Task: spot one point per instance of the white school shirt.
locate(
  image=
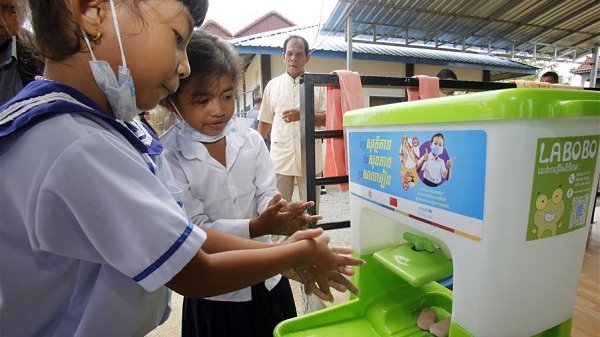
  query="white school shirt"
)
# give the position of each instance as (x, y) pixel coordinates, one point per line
(88, 235)
(224, 198)
(434, 169)
(280, 94)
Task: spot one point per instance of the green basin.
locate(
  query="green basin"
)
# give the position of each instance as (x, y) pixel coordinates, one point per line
(387, 307)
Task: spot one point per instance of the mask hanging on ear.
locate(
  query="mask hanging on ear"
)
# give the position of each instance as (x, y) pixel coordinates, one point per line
(120, 92)
(195, 135)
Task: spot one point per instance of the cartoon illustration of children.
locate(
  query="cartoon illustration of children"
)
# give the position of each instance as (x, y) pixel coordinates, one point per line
(409, 154)
(434, 168)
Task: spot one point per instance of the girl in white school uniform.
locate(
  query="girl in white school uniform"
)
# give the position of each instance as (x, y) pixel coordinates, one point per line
(225, 171)
(90, 235)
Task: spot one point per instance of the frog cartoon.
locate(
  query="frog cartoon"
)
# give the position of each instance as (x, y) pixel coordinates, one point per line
(548, 214)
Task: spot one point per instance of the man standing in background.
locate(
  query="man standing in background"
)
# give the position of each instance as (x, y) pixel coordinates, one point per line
(18, 66)
(253, 113)
(446, 74)
(280, 114)
(549, 77)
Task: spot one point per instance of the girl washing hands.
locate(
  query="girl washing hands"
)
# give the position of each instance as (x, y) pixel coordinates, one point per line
(91, 232)
(224, 168)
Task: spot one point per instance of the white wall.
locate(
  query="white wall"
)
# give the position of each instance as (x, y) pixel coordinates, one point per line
(252, 75)
(364, 67)
(327, 65)
(465, 74)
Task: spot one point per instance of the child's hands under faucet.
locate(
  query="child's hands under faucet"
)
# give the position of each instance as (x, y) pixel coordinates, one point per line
(282, 218)
(318, 279)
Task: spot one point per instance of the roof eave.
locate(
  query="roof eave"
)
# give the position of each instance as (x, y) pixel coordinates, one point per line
(526, 70)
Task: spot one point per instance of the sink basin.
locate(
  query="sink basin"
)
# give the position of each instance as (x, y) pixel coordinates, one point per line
(388, 307)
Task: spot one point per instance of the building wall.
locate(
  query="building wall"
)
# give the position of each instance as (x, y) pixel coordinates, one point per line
(248, 84)
(327, 65)
(462, 73)
(585, 81)
(364, 67)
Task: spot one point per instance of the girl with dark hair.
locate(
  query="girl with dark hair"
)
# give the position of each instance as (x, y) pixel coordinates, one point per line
(225, 171)
(91, 228)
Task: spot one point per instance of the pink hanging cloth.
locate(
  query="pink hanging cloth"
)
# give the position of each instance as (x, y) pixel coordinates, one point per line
(429, 87)
(348, 96)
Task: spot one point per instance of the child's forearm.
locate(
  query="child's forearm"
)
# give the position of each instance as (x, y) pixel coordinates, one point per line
(218, 241)
(212, 274)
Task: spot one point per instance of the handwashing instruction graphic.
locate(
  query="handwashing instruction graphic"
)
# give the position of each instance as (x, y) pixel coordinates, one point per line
(432, 176)
(409, 154)
(562, 185)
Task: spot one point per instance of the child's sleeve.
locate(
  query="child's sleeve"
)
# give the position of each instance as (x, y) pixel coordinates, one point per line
(194, 207)
(264, 174)
(100, 203)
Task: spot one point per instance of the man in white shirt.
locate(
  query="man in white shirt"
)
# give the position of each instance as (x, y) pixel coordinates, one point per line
(280, 114)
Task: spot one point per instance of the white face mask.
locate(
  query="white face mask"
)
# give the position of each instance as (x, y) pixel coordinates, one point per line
(120, 92)
(195, 135)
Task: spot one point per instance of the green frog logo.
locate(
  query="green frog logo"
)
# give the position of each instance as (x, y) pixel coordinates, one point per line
(548, 214)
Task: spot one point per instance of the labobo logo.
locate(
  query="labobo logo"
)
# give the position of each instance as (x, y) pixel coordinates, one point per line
(567, 151)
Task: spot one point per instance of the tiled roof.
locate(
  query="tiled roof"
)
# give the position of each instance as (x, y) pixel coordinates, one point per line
(215, 28)
(586, 67)
(270, 21)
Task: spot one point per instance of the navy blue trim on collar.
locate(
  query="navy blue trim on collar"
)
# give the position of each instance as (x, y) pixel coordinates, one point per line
(57, 107)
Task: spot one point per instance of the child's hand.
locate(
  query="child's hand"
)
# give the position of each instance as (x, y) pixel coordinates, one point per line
(337, 281)
(282, 219)
(336, 278)
(449, 164)
(300, 219)
(426, 156)
(327, 269)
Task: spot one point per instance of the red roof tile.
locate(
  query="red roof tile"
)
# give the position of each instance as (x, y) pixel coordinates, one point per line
(586, 67)
(215, 28)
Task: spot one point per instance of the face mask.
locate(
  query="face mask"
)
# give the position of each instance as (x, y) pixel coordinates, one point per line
(120, 92)
(191, 133)
(436, 149)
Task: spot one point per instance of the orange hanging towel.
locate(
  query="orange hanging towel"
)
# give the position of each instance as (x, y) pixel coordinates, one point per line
(429, 87)
(348, 96)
